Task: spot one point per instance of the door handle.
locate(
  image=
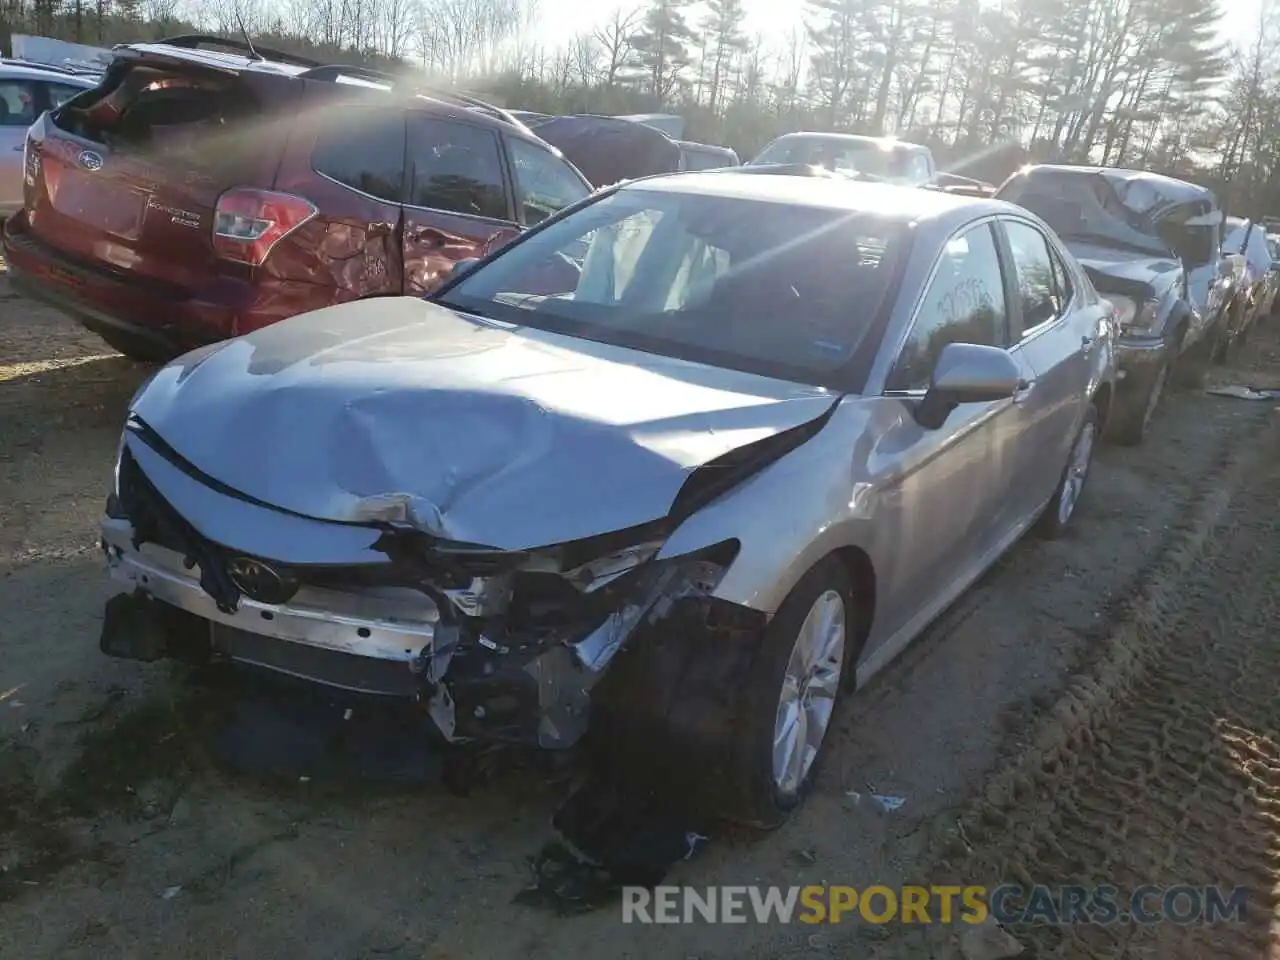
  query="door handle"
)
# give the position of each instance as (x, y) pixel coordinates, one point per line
(1087, 342)
(1024, 390)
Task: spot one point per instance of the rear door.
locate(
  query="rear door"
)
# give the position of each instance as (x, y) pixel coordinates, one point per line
(358, 153)
(459, 202)
(1054, 338)
(128, 181)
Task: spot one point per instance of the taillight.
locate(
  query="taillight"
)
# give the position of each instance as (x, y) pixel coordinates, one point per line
(30, 161)
(247, 224)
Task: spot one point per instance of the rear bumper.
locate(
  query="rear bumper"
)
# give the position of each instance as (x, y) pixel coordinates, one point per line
(169, 318)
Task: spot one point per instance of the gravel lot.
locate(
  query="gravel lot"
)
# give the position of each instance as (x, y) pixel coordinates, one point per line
(1100, 708)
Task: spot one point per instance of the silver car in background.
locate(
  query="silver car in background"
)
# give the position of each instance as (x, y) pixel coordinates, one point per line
(26, 91)
(679, 465)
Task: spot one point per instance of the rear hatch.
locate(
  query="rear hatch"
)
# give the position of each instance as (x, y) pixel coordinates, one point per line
(125, 177)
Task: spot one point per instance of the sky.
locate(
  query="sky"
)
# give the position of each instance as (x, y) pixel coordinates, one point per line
(561, 19)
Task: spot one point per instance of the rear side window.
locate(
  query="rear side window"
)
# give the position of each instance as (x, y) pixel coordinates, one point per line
(544, 183)
(60, 93)
(363, 149)
(17, 103)
(455, 167)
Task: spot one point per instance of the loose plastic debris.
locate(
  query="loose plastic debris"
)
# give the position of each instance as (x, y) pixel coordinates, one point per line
(1240, 392)
(889, 804)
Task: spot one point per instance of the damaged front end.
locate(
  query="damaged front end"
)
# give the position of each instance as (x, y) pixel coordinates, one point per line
(496, 645)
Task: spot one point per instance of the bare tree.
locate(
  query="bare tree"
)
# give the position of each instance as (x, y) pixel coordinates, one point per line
(615, 40)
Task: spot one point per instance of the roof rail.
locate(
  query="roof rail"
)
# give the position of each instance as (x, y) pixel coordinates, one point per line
(332, 71)
(67, 68)
(194, 41)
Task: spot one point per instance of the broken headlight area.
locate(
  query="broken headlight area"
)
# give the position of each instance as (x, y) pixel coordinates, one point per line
(524, 636)
(506, 645)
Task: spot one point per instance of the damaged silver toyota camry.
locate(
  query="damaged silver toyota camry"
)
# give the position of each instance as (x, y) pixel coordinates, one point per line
(678, 466)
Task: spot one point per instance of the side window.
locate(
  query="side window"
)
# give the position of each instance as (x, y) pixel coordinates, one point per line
(1061, 281)
(919, 168)
(455, 167)
(17, 103)
(964, 303)
(60, 93)
(363, 149)
(544, 183)
(1034, 272)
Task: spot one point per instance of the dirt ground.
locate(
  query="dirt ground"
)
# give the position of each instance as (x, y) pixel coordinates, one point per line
(1098, 709)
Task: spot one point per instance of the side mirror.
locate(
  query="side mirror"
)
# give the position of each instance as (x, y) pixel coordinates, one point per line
(967, 373)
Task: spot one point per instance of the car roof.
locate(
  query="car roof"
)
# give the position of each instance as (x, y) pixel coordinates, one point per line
(10, 70)
(217, 59)
(883, 142)
(904, 203)
(240, 62)
(1170, 186)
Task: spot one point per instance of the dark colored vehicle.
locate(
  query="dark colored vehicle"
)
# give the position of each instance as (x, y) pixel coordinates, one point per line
(197, 194)
(1151, 245)
(893, 160)
(609, 149)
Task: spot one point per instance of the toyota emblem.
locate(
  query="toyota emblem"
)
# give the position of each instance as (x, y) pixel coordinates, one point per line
(91, 161)
(261, 581)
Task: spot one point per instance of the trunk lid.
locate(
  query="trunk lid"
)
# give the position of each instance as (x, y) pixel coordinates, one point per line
(126, 177)
(473, 430)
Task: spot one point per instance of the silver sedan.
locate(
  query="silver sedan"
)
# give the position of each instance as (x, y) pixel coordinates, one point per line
(679, 466)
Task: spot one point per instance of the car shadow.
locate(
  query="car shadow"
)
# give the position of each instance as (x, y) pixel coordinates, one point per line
(87, 392)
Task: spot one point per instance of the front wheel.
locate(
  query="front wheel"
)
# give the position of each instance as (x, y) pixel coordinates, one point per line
(1135, 407)
(1057, 516)
(807, 652)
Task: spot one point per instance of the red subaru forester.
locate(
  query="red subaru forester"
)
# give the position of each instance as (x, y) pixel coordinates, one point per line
(197, 194)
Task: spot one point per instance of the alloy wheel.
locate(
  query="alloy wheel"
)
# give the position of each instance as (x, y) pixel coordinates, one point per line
(809, 687)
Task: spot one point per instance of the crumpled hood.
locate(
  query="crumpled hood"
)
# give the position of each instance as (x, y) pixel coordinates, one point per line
(1104, 262)
(399, 409)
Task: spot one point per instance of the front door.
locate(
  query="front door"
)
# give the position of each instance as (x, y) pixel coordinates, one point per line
(943, 489)
(459, 204)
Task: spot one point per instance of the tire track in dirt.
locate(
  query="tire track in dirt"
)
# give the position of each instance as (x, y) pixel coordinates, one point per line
(1161, 762)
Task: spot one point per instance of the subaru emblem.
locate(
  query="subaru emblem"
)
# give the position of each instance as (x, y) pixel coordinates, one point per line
(91, 161)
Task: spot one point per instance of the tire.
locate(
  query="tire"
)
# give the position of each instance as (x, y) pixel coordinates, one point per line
(135, 347)
(757, 798)
(1133, 410)
(1224, 340)
(1075, 476)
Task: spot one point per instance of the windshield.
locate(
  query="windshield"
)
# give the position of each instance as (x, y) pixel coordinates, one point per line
(785, 291)
(842, 156)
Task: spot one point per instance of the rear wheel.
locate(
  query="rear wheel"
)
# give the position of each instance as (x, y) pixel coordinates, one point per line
(807, 654)
(1057, 516)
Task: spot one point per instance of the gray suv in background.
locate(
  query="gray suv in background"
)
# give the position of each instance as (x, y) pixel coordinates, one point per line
(1152, 246)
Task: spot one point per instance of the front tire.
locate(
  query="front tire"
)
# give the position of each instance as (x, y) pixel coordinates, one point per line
(1134, 409)
(806, 657)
